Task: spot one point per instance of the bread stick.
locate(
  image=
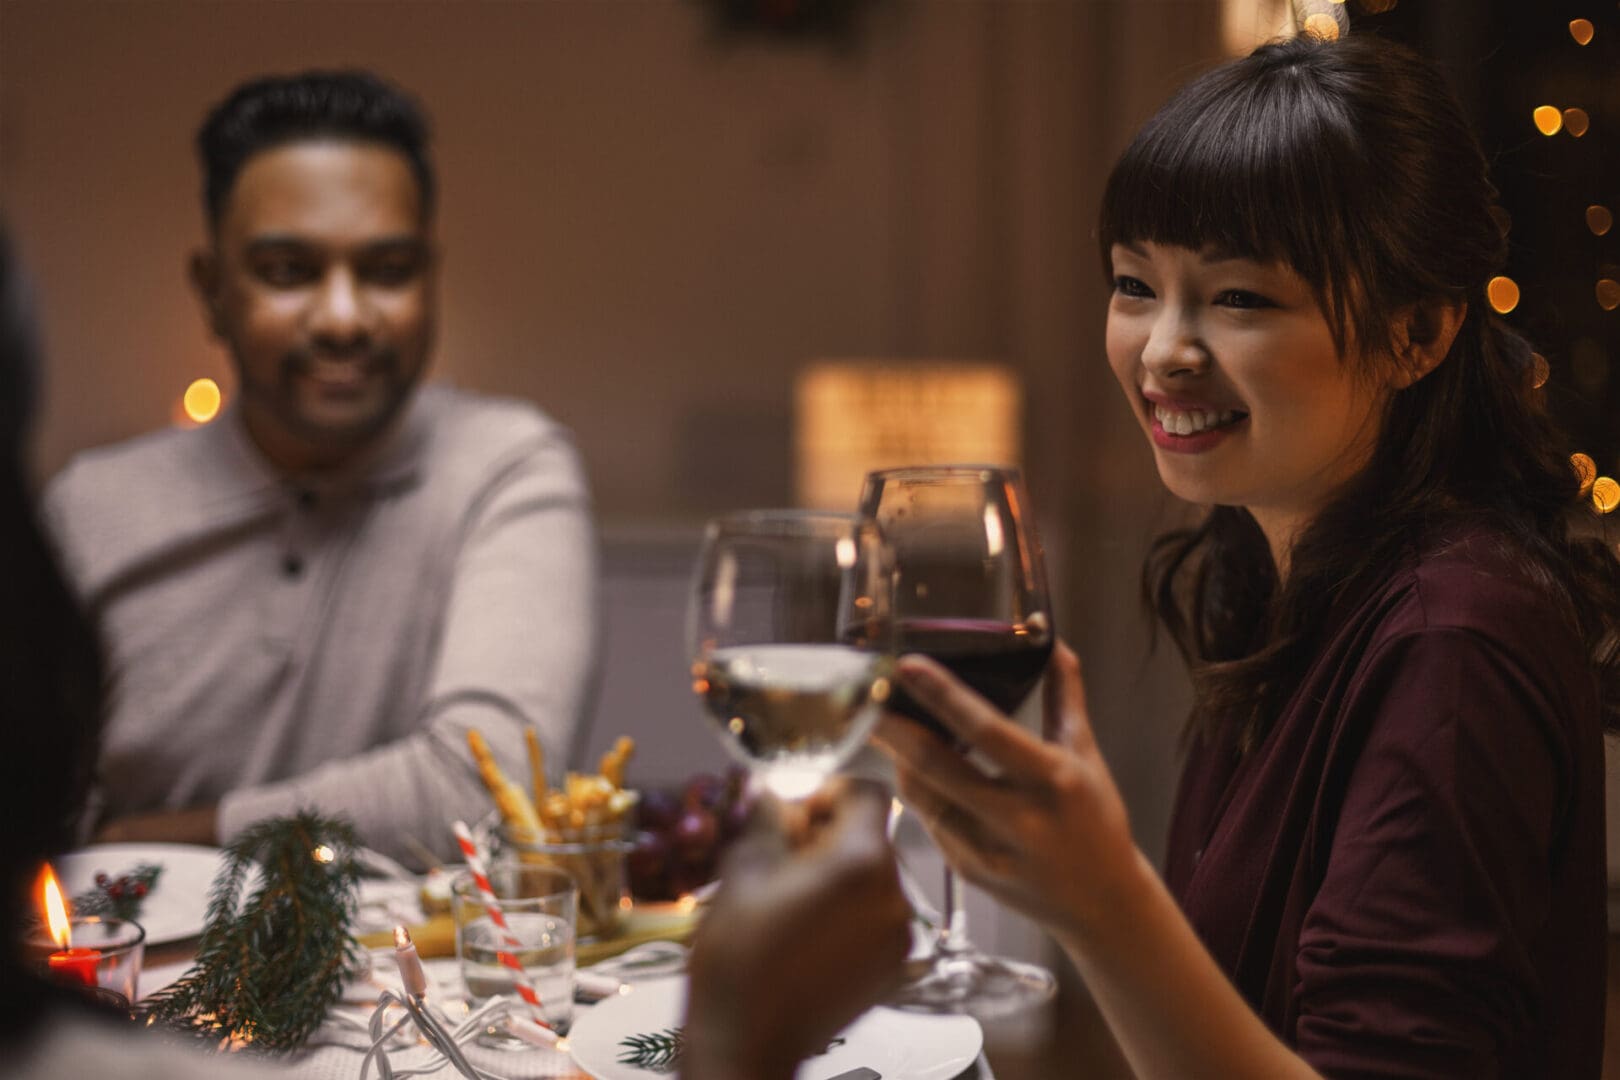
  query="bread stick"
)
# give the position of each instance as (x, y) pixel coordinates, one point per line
(516, 809)
(537, 763)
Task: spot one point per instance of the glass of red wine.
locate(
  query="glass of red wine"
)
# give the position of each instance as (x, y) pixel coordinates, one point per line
(970, 592)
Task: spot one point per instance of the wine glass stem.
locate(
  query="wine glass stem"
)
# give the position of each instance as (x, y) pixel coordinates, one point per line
(953, 931)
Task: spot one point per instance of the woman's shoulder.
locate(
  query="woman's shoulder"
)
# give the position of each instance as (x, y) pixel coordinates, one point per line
(1486, 582)
(1478, 591)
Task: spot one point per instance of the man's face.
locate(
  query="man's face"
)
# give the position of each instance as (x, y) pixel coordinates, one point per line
(321, 284)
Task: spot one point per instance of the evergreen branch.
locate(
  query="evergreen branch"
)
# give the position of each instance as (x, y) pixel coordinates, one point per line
(657, 1051)
(119, 896)
(270, 963)
(660, 1051)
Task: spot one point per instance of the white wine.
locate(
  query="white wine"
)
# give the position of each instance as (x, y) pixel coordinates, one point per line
(793, 712)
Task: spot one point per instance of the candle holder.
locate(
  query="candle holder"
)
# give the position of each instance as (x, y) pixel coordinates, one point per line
(104, 955)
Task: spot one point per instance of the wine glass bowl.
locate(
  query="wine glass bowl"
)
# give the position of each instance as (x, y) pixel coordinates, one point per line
(969, 592)
(789, 633)
(970, 583)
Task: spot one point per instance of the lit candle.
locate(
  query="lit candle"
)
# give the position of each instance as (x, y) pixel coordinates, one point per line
(410, 965)
(67, 963)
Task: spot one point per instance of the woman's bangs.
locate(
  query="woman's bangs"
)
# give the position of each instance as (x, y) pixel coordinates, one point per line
(1234, 172)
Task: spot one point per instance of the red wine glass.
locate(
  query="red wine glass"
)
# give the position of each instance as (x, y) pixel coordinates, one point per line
(970, 592)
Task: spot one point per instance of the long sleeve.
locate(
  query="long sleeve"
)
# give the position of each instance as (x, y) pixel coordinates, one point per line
(1417, 957)
(1404, 877)
(518, 645)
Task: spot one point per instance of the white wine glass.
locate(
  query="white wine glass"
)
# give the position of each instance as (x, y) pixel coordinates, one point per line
(789, 635)
(970, 592)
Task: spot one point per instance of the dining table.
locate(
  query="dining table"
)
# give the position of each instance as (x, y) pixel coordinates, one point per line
(338, 1048)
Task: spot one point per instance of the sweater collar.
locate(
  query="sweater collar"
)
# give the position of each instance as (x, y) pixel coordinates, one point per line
(391, 463)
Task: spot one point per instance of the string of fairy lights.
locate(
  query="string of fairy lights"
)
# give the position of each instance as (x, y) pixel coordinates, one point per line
(1503, 292)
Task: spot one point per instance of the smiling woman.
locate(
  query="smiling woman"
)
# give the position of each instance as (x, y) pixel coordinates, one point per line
(1234, 372)
(1387, 851)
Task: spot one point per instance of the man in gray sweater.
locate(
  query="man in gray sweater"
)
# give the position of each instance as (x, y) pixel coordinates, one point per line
(308, 601)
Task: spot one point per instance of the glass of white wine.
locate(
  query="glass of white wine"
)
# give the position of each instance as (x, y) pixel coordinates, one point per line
(789, 631)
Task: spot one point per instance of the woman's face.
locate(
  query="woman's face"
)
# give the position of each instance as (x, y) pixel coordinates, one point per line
(1233, 373)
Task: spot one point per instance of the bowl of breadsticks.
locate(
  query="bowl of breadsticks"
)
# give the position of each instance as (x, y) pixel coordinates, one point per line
(580, 828)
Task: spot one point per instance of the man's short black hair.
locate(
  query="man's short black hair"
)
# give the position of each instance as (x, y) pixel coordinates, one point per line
(278, 109)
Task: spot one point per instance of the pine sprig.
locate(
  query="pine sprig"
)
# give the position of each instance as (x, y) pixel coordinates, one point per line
(660, 1051)
(120, 896)
(271, 964)
(657, 1051)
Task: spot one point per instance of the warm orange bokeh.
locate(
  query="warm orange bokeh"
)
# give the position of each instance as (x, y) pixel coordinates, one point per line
(201, 401)
(1503, 293)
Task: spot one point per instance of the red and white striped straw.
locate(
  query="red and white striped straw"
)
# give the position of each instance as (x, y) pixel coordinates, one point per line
(492, 907)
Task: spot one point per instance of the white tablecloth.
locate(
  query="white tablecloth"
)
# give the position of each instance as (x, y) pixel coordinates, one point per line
(337, 1050)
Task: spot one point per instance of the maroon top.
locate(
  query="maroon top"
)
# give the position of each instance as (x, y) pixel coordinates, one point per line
(1405, 878)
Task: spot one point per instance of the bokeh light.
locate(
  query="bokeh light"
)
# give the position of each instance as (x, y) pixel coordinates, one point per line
(1599, 219)
(1548, 119)
(1503, 293)
(1576, 122)
(1605, 494)
(1586, 469)
(1608, 293)
(1322, 25)
(1581, 30)
(1540, 371)
(202, 400)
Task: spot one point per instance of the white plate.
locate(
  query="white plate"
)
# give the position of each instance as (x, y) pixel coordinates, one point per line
(898, 1045)
(177, 906)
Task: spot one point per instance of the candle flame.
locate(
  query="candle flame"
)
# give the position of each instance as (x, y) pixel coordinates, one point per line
(402, 937)
(56, 913)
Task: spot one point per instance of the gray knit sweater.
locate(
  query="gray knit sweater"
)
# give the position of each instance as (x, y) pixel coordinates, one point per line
(280, 642)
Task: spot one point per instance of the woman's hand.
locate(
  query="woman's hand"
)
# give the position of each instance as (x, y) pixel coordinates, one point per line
(1049, 835)
(808, 932)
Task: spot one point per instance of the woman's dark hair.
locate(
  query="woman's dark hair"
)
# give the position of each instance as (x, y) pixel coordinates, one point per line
(1350, 163)
(279, 109)
(50, 665)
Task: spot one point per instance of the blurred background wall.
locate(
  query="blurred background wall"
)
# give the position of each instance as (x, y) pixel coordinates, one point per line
(649, 228)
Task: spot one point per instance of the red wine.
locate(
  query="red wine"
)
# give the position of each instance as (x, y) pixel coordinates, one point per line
(1001, 662)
